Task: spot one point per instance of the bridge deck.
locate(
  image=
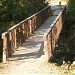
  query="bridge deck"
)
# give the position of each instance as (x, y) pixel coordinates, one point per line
(32, 49)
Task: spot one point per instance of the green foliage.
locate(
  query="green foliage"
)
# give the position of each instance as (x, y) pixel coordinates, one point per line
(71, 8)
(70, 27)
(17, 10)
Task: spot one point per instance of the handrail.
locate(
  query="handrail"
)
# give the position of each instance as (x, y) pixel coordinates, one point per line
(17, 34)
(51, 37)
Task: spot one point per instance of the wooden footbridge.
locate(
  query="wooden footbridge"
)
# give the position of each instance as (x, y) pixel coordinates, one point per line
(34, 36)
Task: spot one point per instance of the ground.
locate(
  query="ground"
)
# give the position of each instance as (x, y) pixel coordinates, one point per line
(34, 67)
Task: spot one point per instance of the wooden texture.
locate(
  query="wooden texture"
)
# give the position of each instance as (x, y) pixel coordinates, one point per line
(50, 39)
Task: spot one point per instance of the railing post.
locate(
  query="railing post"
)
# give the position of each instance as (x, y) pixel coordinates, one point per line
(23, 32)
(60, 20)
(34, 22)
(30, 24)
(46, 49)
(49, 45)
(10, 39)
(5, 55)
(15, 38)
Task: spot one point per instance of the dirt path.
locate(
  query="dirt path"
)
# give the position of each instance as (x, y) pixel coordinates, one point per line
(31, 67)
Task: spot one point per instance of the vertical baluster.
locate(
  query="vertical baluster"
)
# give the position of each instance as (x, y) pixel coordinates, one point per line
(12, 34)
(45, 47)
(55, 35)
(10, 40)
(19, 35)
(27, 28)
(15, 38)
(57, 29)
(61, 23)
(30, 25)
(23, 32)
(34, 22)
(52, 40)
(5, 55)
(49, 46)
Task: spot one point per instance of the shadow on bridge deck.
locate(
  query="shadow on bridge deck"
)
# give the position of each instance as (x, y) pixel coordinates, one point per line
(29, 54)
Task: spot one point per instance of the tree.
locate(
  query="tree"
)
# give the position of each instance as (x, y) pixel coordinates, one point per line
(71, 8)
(17, 10)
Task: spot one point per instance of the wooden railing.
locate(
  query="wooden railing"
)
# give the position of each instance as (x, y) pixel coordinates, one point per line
(51, 37)
(17, 35)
